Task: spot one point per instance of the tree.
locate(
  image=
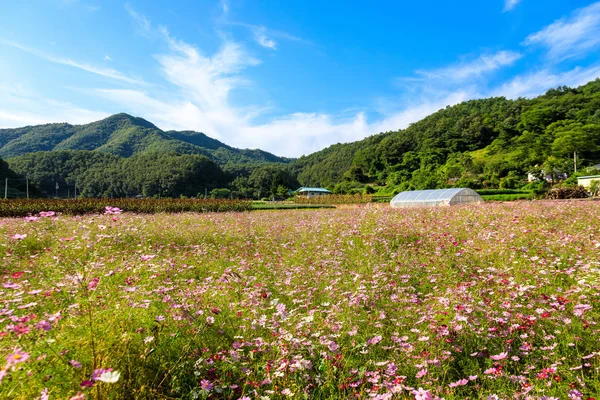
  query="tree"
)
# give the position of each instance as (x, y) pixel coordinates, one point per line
(573, 137)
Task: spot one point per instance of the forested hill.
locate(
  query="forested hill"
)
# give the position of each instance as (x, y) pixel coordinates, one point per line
(480, 143)
(124, 136)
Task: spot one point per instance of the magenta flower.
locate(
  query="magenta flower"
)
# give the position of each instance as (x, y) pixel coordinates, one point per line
(93, 284)
(44, 325)
(75, 364)
(206, 385)
(86, 384)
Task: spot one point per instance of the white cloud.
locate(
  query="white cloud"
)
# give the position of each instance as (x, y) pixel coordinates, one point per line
(142, 22)
(260, 35)
(535, 83)
(202, 103)
(105, 72)
(510, 4)
(20, 106)
(473, 69)
(572, 36)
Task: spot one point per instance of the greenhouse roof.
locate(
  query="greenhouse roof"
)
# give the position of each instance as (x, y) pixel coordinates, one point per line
(307, 189)
(435, 197)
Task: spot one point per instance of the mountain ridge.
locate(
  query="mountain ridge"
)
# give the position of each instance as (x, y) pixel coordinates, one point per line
(124, 135)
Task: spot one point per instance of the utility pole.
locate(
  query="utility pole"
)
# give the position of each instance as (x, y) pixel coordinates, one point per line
(575, 160)
(5, 188)
(27, 185)
(75, 194)
(205, 193)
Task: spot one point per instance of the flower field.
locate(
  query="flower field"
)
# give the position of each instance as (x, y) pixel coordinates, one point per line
(498, 301)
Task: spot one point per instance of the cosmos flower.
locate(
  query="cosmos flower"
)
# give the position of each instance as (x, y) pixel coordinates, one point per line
(16, 357)
(109, 376)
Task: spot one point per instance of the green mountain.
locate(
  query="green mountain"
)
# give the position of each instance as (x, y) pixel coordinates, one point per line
(124, 136)
(489, 143)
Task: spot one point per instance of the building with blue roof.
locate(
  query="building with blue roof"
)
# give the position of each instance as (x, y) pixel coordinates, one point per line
(312, 192)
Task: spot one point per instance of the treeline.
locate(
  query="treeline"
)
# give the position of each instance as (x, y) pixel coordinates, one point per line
(159, 174)
(490, 143)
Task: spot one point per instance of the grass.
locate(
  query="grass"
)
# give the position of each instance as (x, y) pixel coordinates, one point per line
(475, 301)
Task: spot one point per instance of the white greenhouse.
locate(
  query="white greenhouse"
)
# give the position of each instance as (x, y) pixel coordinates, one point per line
(438, 197)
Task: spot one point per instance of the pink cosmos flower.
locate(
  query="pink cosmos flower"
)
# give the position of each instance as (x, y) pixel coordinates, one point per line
(47, 214)
(98, 372)
(19, 236)
(44, 394)
(210, 320)
(499, 357)
(31, 218)
(461, 382)
(112, 210)
(375, 340)
(78, 396)
(206, 385)
(75, 364)
(421, 373)
(422, 394)
(146, 257)
(18, 356)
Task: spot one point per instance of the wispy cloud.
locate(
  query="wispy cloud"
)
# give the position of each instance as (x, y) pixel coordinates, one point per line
(143, 24)
(510, 4)
(20, 106)
(463, 71)
(225, 6)
(105, 72)
(573, 36)
(535, 83)
(260, 35)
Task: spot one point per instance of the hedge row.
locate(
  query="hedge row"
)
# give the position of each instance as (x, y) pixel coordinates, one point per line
(334, 199)
(22, 207)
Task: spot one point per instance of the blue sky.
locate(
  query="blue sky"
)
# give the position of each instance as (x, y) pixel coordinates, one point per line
(290, 77)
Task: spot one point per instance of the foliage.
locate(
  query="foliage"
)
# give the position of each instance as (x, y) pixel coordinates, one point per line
(507, 197)
(489, 143)
(334, 199)
(565, 192)
(94, 174)
(495, 301)
(124, 136)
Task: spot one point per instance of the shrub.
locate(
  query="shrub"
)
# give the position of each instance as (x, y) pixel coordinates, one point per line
(571, 192)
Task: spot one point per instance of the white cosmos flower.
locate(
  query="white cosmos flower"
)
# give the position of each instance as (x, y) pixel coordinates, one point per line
(109, 377)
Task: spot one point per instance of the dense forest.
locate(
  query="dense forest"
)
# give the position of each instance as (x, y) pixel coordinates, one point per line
(488, 143)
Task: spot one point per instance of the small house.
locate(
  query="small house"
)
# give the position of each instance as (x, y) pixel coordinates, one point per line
(586, 181)
(312, 192)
